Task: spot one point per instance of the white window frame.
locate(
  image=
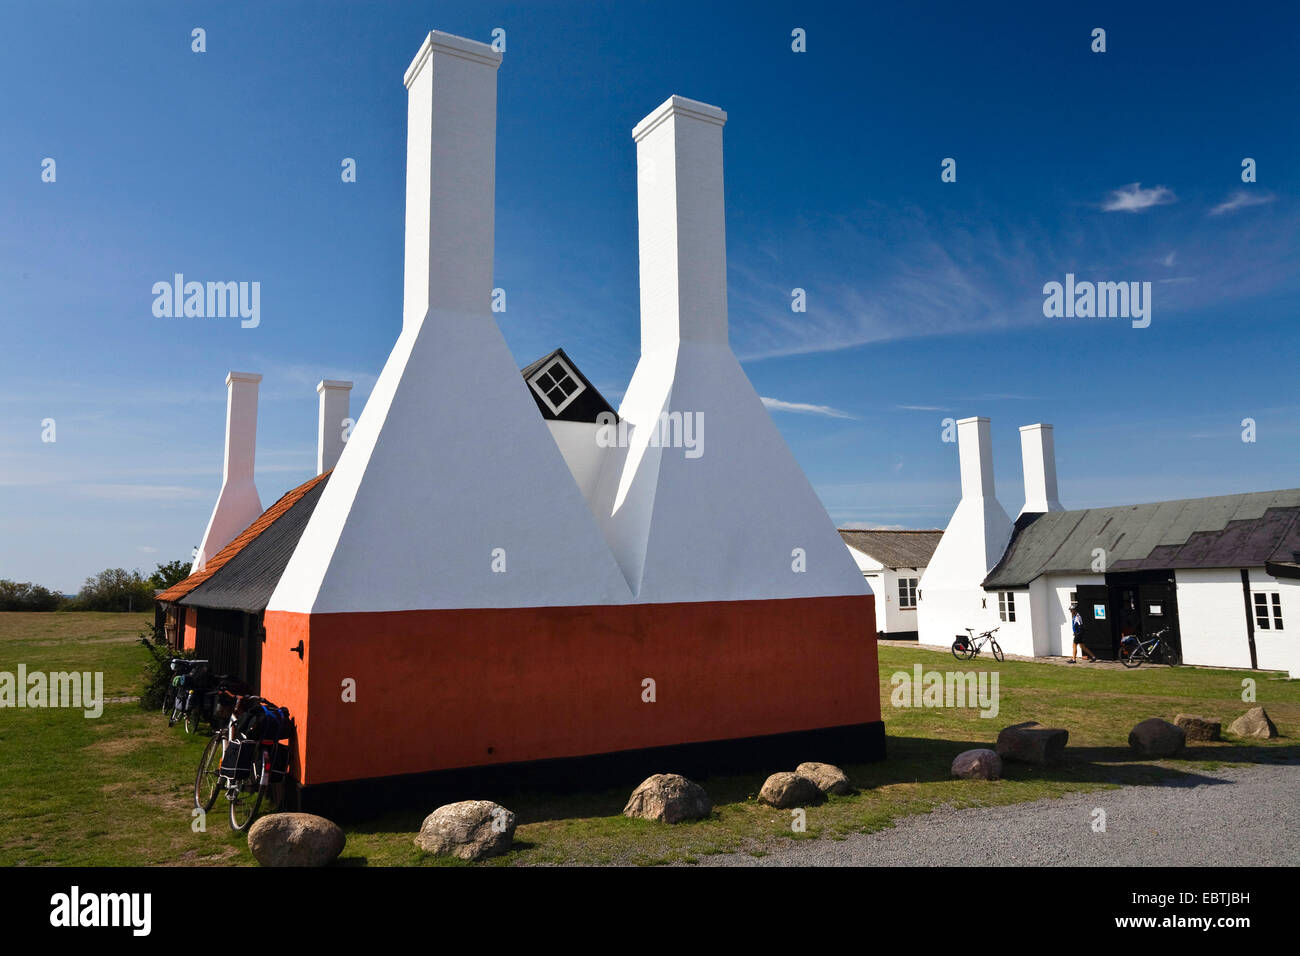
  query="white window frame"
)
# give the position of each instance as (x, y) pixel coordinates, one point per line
(1271, 619)
(1007, 606)
(532, 383)
(907, 587)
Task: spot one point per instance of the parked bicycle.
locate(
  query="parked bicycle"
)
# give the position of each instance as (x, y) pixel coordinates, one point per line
(1157, 649)
(968, 646)
(190, 680)
(247, 758)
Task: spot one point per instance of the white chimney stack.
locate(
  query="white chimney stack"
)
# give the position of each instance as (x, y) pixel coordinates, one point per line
(450, 177)
(237, 504)
(1038, 454)
(682, 225)
(975, 451)
(952, 596)
(331, 423)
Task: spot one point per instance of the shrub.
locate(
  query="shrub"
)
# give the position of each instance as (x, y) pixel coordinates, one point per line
(157, 674)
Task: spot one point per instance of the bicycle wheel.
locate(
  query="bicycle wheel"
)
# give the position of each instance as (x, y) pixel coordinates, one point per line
(246, 798)
(192, 715)
(207, 782)
(1134, 658)
(1172, 657)
(963, 652)
(997, 651)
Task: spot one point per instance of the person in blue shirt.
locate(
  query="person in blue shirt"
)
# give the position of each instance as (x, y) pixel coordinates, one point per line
(1076, 623)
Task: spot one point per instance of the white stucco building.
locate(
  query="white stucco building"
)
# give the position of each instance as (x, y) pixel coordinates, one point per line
(1222, 572)
(892, 563)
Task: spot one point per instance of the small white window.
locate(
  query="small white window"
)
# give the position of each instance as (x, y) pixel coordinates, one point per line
(1268, 611)
(1007, 605)
(907, 593)
(557, 385)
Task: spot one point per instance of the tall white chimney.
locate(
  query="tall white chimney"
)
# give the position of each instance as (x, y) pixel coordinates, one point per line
(330, 424)
(975, 451)
(237, 504)
(682, 225)
(451, 365)
(1038, 454)
(952, 597)
(450, 177)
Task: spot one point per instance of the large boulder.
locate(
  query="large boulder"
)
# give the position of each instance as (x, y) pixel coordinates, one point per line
(786, 790)
(828, 777)
(982, 764)
(669, 798)
(294, 839)
(1254, 723)
(1031, 742)
(1199, 728)
(470, 830)
(1157, 738)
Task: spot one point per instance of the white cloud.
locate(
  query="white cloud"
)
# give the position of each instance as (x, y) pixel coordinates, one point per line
(776, 405)
(1240, 200)
(1169, 259)
(888, 273)
(1133, 198)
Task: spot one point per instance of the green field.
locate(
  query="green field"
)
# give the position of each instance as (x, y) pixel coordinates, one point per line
(117, 790)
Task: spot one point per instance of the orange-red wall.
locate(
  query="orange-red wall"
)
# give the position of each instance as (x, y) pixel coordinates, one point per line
(191, 628)
(437, 690)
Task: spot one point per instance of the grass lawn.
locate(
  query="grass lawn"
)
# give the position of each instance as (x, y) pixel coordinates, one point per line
(117, 790)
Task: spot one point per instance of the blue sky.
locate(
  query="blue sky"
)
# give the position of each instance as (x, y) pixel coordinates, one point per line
(924, 298)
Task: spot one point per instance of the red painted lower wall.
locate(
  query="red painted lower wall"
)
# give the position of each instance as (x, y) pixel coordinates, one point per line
(437, 690)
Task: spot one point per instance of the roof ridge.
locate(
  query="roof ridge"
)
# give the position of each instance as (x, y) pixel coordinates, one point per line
(893, 530)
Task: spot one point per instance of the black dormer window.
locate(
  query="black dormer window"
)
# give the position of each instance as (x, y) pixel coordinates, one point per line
(556, 385)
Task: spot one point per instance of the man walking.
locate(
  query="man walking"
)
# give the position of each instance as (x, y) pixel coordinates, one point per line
(1076, 623)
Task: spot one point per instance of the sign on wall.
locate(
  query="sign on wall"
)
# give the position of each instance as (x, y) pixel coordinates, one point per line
(1099, 611)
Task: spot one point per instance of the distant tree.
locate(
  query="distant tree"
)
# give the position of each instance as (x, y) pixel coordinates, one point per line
(168, 574)
(114, 589)
(15, 596)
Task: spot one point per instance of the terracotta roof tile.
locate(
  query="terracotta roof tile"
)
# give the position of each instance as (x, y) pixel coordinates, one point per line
(241, 540)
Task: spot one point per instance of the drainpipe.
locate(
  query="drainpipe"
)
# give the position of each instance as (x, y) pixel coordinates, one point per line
(1250, 617)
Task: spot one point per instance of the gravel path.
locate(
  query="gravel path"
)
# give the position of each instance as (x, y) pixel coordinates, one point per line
(1232, 816)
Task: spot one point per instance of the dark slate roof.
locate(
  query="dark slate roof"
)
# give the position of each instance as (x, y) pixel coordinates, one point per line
(1284, 562)
(895, 549)
(1228, 531)
(246, 580)
(588, 404)
(263, 521)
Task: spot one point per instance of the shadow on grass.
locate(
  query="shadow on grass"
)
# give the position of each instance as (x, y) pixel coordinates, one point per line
(912, 760)
(926, 759)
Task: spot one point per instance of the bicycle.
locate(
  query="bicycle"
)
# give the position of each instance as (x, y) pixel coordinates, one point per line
(1156, 649)
(247, 758)
(190, 680)
(968, 646)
